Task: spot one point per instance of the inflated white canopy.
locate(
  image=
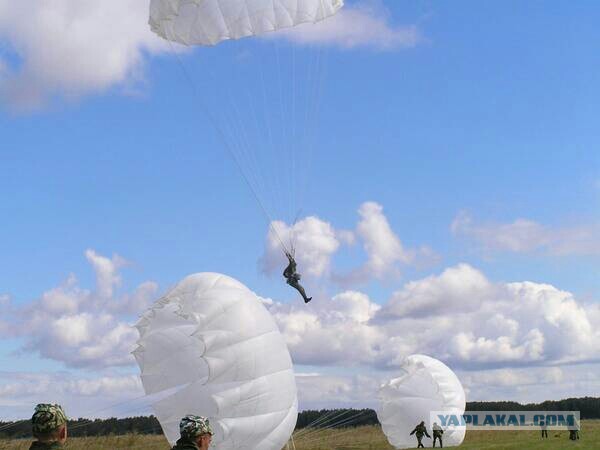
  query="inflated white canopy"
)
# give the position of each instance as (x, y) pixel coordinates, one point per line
(211, 348)
(208, 22)
(425, 385)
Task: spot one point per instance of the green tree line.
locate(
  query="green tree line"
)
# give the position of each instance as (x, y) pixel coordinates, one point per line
(589, 408)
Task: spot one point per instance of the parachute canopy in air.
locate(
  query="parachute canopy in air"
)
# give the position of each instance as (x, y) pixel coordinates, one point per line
(209, 347)
(425, 385)
(208, 22)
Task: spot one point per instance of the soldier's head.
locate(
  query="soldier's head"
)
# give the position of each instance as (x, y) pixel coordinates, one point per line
(422, 423)
(196, 429)
(49, 423)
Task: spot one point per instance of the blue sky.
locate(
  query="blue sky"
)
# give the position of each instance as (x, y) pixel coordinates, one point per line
(485, 110)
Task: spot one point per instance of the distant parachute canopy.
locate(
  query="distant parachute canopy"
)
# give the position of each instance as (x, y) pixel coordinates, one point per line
(425, 385)
(208, 22)
(210, 348)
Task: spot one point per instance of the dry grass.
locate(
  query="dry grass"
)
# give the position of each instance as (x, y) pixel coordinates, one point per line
(363, 438)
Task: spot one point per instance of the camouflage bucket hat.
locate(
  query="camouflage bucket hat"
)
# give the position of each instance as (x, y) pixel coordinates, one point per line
(193, 426)
(47, 418)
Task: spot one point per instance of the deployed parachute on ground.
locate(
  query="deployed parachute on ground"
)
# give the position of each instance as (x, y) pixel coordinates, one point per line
(261, 95)
(425, 385)
(209, 347)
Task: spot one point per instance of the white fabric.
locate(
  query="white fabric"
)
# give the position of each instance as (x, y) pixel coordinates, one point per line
(212, 349)
(208, 22)
(425, 385)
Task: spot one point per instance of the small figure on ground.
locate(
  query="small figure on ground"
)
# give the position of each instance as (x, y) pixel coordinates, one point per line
(49, 427)
(419, 431)
(437, 434)
(544, 428)
(292, 277)
(195, 432)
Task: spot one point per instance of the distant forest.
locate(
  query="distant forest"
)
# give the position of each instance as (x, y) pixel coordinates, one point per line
(589, 408)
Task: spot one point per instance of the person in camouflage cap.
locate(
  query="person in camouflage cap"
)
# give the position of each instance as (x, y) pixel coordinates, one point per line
(196, 433)
(49, 427)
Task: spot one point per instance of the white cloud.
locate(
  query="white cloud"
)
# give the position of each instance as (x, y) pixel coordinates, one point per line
(321, 391)
(384, 249)
(315, 240)
(381, 243)
(72, 48)
(532, 384)
(458, 316)
(330, 332)
(366, 24)
(525, 385)
(500, 337)
(459, 288)
(526, 236)
(107, 272)
(4, 299)
(100, 396)
(79, 327)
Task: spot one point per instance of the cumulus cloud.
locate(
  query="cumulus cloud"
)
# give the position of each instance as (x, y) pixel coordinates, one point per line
(366, 24)
(525, 385)
(458, 316)
(315, 240)
(81, 327)
(107, 272)
(71, 48)
(384, 249)
(106, 395)
(531, 384)
(459, 288)
(526, 236)
(320, 391)
(330, 332)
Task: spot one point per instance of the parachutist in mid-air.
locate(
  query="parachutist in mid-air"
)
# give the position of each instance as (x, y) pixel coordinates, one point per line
(292, 277)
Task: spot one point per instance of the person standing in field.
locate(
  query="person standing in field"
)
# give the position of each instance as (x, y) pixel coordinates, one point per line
(49, 427)
(419, 431)
(437, 434)
(544, 427)
(196, 433)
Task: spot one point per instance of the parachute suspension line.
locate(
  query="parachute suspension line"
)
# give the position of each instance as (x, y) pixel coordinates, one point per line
(284, 135)
(316, 72)
(277, 183)
(320, 422)
(310, 436)
(293, 145)
(330, 422)
(317, 421)
(225, 143)
(286, 144)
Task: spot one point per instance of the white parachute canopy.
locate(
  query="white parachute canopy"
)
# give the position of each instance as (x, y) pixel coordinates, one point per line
(208, 22)
(425, 385)
(210, 348)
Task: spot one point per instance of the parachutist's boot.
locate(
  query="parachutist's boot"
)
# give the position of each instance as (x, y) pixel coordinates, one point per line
(306, 300)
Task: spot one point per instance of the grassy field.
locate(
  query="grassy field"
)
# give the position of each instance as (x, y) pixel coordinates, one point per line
(363, 438)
